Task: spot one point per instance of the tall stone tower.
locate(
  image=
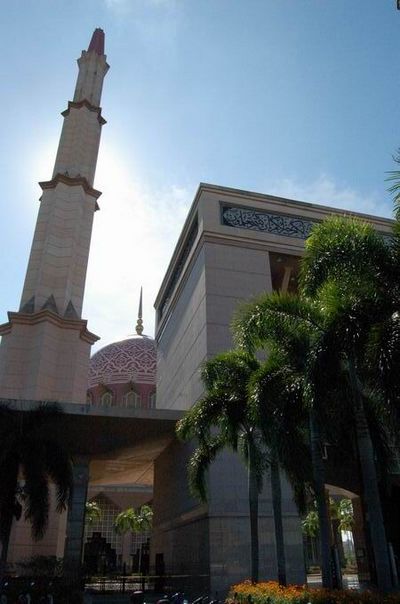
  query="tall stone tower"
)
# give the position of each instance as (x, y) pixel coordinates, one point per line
(45, 348)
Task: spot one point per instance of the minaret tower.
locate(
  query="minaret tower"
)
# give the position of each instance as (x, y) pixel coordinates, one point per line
(45, 347)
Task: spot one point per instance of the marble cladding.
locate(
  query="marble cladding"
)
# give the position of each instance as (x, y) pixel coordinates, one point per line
(79, 144)
(59, 254)
(89, 85)
(44, 361)
(225, 267)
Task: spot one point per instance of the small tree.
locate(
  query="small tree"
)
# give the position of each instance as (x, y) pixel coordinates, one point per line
(134, 521)
(92, 512)
(341, 511)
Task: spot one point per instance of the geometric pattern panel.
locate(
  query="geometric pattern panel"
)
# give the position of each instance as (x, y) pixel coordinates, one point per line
(105, 524)
(256, 220)
(277, 224)
(132, 360)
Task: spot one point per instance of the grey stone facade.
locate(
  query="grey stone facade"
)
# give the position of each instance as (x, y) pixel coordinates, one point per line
(222, 258)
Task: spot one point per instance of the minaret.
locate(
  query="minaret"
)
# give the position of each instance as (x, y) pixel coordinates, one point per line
(45, 347)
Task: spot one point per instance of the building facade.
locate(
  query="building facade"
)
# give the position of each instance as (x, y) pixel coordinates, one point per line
(234, 245)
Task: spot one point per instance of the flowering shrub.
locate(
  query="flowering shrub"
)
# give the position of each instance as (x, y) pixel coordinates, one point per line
(271, 592)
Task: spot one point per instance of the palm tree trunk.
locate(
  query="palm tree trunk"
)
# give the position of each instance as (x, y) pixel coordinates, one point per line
(320, 497)
(277, 507)
(370, 485)
(253, 506)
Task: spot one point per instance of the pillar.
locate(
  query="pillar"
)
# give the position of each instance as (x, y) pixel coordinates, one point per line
(76, 520)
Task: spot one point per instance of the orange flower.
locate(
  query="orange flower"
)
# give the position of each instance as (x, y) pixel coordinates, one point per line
(270, 592)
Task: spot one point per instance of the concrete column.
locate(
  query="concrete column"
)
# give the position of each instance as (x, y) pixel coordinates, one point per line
(76, 519)
(360, 541)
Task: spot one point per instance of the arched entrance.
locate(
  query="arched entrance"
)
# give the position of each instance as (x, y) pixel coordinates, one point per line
(349, 541)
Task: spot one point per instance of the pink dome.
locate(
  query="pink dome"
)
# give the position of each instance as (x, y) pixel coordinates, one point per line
(133, 360)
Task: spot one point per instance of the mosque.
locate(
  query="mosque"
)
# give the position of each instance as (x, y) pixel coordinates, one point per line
(121, 405)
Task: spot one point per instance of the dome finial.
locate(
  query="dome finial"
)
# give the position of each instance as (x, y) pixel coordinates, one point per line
(139, 324)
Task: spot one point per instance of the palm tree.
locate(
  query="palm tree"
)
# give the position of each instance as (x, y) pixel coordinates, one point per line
(92, 512)
(134, 521)
(237, 412)
(222, 419)
(310, 523)
(341, 511)
(349, 316)
(355, 275)
(342, 517)
(276, 404)
(294, 327)
(29, 451)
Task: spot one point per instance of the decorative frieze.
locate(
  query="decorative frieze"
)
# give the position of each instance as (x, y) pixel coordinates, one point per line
(257, 220)
(72, 181)
(278, 224)
(84, 103)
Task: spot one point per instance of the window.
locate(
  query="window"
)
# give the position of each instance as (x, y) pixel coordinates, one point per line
(132, 399)
(106, 399)
(152, 400)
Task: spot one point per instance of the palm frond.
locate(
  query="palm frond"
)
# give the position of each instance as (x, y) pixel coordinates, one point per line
(199, 419)
(199, 463)
(276, 393)
(126, 521)
(383, 362)
(37, 503)
(394, 176)
(378, 423)
(346, 250)
(275, 318)
(59, 469)
(228, 370)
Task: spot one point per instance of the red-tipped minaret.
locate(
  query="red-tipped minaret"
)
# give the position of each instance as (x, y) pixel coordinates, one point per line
(97, 42)
(45, 347)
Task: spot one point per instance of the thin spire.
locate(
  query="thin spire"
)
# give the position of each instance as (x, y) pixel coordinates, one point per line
(139, 324)
(97, 42)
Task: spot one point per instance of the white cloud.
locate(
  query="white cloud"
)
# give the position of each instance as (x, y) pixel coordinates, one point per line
(324, 190)
(134, 235)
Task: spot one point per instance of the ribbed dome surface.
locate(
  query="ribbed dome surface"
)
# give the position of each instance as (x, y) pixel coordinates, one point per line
(131, 360)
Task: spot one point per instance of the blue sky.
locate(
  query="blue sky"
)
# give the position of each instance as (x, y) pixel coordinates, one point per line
(297, 98)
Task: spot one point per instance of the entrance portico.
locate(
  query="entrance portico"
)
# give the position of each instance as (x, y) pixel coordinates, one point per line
(110, 446)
